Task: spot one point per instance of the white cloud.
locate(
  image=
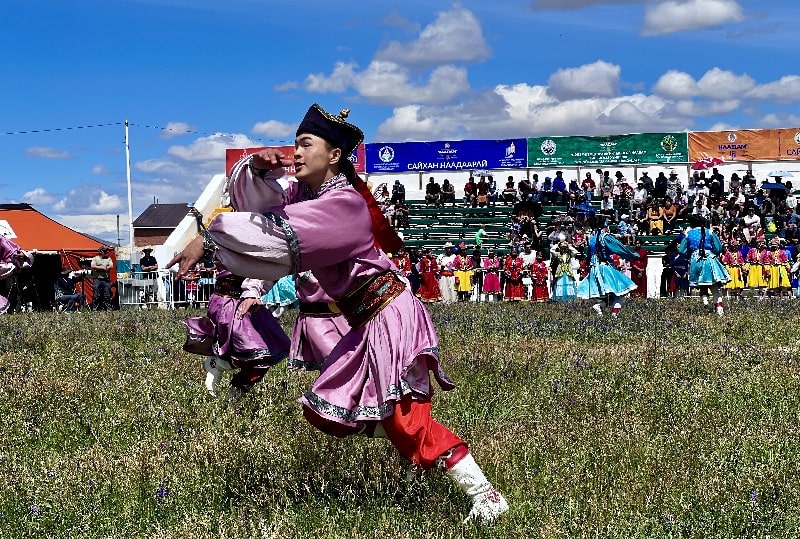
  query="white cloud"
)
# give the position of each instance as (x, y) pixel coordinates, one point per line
(211, 147)
(175, 129)
(679, 15)
(785, 90)
(721, 84)
(38, 196)
(413, 122)
(676, 85)
(43, 152)
(716, 83)
(389, 83)
(338, 81)
(100, 170)
(455, 36)
(88, 199)
(776, 121)
(599, 79)
(274, 129)
(106, 202)
(286, 86)
(102, 226)
(689, 108)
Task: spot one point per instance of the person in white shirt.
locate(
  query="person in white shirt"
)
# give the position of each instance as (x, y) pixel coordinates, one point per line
(447, 279)
(639, 194)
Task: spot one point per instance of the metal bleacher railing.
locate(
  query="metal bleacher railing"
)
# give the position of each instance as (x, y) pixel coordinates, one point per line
(160, 289)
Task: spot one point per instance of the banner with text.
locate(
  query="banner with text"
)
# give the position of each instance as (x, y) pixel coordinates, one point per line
(746, 144)
(446, 155)
(234, 154)
(613, 149)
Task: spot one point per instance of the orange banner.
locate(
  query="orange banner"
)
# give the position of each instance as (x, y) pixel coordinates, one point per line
(746, 144)
(234, 154)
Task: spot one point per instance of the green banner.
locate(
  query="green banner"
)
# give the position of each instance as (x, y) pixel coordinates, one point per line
(612, 149)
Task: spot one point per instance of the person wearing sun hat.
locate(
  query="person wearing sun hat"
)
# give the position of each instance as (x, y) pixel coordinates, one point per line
(101, 276)
(377, 380)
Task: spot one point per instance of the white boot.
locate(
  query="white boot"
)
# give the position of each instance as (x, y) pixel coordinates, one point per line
(487, 503)
(213, 375)
(720, 310)
(214, 366)
(598, 309)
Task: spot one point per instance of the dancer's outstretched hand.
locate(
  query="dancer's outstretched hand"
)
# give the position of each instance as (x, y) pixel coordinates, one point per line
(187, 258)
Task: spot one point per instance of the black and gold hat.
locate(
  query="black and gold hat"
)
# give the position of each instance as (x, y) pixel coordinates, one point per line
(335, 129)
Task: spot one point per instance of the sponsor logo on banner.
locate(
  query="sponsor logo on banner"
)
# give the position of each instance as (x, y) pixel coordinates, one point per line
(669, 143)
(549, 147)
(386, 154)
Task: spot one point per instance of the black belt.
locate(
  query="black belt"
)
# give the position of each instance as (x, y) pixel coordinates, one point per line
(319, 308)
(229, 286)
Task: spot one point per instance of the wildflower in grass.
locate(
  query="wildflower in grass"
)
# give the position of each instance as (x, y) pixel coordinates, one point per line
(753, 496)
(35, 510)
(670, 518)
(162, 492)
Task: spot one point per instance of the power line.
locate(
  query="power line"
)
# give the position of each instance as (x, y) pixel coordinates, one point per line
(50, 130)
(159, 128)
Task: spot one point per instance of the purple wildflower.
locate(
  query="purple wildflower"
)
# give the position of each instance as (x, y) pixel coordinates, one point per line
(162, 492)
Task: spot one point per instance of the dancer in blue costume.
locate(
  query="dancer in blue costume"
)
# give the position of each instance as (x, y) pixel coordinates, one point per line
(703, 247)
(567, 272)
(604, 280)
(281, 296)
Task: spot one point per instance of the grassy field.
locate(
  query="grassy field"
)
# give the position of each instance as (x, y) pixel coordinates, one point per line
(667, 422)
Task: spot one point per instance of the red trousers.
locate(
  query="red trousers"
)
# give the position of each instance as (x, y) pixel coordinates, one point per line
(411, 429)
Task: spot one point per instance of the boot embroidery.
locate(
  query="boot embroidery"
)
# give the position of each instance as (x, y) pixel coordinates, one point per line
(493, 496)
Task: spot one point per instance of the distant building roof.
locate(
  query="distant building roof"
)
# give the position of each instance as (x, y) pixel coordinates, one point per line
(161, 216)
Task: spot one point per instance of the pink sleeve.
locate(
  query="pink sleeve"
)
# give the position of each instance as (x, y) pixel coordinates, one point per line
(252, 244)
(331, 229)
(255, 288)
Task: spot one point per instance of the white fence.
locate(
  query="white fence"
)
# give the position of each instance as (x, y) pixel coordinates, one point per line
(159, 289)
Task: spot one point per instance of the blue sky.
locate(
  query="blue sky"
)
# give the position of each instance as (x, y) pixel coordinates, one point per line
(195, 76)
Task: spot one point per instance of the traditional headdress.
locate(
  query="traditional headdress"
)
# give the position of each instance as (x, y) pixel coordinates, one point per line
(334, 129)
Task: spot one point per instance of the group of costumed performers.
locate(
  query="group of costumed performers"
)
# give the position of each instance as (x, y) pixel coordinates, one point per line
(604, 281)
(463, 270)
(376, 380)
(776, 265)
(514, 269)
(734, 262)
(567, 272)
(703, 247)
(428, 269)
(754, 266)
(13, 259)
(540, 277)
(491, 275)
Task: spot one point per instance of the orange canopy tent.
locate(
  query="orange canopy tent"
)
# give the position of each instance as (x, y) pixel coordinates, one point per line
(55, 246)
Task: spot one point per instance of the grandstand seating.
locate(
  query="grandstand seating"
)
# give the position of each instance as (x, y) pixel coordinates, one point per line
(432, 227)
